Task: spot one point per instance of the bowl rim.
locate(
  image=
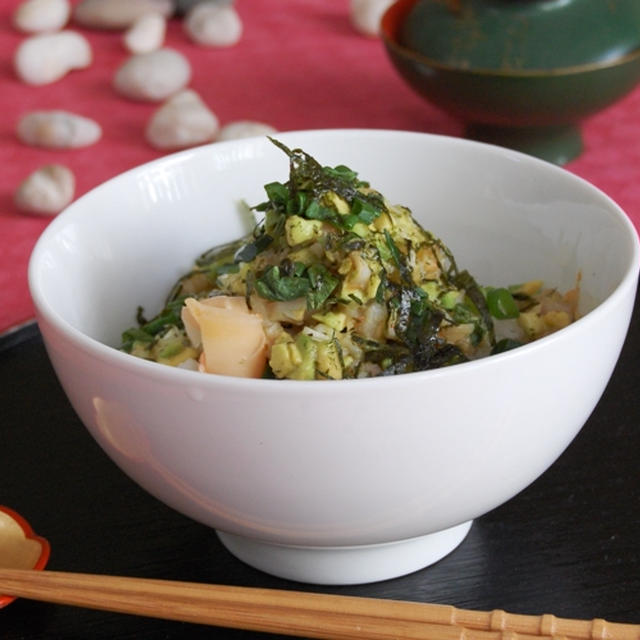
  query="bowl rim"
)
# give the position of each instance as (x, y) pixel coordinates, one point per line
(153, 370)
(388, 33)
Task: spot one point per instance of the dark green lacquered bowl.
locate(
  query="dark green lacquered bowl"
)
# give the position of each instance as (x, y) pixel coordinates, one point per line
(484, 67)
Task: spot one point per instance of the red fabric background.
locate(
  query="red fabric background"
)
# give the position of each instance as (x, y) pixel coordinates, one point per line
(299, 65)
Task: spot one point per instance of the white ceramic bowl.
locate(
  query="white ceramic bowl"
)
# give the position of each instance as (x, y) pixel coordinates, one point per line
(337, 481)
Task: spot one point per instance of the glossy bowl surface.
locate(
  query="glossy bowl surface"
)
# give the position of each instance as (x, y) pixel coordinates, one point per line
(336, 481)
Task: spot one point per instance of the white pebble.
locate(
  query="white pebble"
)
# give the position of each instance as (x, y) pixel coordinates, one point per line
(153, 76)
(58, 130)
(117, 14)
(37, 16)
(47, 190)
(45, 58)
(212, 25)
(146, 33)
(366, 15)
(244, 129)
(182, 121)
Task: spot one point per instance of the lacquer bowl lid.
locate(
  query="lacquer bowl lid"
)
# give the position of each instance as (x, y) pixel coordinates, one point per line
(518, 73)
(522, 34)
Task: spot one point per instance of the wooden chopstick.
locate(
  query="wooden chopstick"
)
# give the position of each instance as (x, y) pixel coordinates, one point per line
(298, 613)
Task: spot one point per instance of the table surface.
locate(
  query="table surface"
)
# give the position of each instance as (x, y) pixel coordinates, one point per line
(569, 544)
(299, 65)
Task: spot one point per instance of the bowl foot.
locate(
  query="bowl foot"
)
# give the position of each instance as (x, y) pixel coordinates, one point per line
(557, 144)
(349, 564)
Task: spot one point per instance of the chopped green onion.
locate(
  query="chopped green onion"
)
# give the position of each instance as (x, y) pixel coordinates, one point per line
(505, 344)
(275, 286)
(501, 304)
(322, 284)
(277, 192)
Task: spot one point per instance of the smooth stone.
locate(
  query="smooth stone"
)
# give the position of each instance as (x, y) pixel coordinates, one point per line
(39, 16)
(366, 15)
(45, 58)
(212, 25)
(117, 14)
(46, 191)
(58, 129)
(182, 121)
(244, 129)
(153, 76)
(146, 34)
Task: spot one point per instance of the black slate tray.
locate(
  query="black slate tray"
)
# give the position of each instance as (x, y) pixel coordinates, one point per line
(569, 544)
